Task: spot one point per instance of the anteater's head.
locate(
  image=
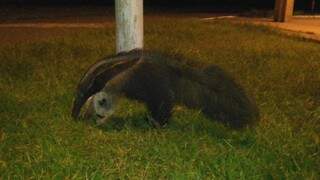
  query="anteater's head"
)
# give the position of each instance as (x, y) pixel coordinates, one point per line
(104, 105)
(99, 74)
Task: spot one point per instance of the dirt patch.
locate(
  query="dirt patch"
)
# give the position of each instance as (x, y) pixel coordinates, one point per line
(55, 25)
(9, 35)
(57, 14)
(31, 24)
(307, 27)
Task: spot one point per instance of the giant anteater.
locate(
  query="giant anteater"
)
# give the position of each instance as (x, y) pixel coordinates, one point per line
(161, 82)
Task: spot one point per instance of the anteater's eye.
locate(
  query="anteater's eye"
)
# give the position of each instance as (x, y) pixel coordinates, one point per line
(102, 102)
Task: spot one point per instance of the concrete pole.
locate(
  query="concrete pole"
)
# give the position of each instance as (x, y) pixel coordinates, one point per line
(129, 24)
(283, 10)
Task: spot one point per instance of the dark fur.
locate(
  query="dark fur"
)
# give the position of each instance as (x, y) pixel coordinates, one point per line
(160, 83)
(100, 73)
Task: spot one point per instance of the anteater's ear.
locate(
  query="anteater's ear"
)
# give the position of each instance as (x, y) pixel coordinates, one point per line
(100, 73)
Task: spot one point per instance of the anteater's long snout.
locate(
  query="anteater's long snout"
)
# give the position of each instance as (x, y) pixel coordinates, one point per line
(77, 105)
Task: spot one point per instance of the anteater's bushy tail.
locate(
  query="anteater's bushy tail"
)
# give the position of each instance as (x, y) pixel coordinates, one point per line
(218, 96)
(232, 105)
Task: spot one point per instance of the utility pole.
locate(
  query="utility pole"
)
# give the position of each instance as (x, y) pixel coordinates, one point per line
(283, 10)
(129, 25)
(313, 6)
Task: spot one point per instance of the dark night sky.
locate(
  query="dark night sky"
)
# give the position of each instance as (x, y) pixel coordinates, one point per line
(241, 4)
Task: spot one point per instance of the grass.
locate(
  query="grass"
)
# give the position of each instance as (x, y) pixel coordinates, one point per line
(38, 139)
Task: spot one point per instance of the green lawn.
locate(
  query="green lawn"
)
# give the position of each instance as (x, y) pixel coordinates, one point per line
(38, 139)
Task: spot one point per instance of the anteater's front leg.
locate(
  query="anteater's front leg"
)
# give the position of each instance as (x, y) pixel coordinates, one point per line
(160, 112)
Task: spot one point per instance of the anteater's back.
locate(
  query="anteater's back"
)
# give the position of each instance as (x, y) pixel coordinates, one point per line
(163, 83)
(212, 90)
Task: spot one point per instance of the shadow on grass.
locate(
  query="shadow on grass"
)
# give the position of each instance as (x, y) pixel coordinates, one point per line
(118, 124)
(184, 125)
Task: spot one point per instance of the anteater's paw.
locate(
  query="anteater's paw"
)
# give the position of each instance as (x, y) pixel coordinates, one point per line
(155, 123)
